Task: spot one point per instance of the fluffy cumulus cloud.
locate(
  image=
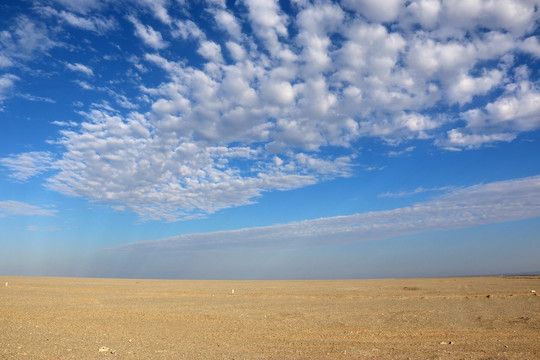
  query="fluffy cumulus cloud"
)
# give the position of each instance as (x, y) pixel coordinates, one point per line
(476, 205)
(238, 99)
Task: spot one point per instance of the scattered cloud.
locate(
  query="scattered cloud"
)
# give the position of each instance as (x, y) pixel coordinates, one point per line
(187, 30)
(148, 35)
(97, 24)
(26, 165)
(12, 207)
(64, 123)
(80, 68)
(7, 81)
(418, 190)
(82, 6)
(158, 8)
(25, 39)
(272, 99)
(490, 203)
(397, 153)
(36, 98)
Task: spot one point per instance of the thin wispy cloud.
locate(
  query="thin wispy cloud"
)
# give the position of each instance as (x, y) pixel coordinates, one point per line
(12, 207)
(36, 98)
(148, 35)
(26, 165)
(80, 68)
(495, 202)
(418, 190)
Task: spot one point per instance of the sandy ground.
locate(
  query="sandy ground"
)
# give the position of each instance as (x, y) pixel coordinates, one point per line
(448, 318)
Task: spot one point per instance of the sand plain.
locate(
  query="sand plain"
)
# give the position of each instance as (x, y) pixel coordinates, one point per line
(438, 318)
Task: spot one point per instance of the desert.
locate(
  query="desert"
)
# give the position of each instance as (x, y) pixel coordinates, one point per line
(432, 318)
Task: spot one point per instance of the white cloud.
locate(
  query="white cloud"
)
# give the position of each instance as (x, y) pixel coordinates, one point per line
(98, 24)
(228, 22)
(237, 51)
(285, 86)
(64, 123)
(148, 35)
(418, 190)
(7, 82)
(80, 68)
(210, 50)
(463, 90)
(82, 6)
(511, 15)
(158, 9)
(25, 39)
(404, 125)
(495, 202)
(36, 98)
(12, 207)
(374, 10)
(26, 165)
(425, 12)
(268, 22)
(187, 29)
(316, 23)
(5, 62)
(458, 138)
(401, 152)
(84, 85)
(531, 45)
(168, 177)
(501, 120)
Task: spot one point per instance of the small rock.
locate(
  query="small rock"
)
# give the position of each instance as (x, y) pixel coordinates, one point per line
(533, 291)
(443, 343)
(113, 352)
(488, 296)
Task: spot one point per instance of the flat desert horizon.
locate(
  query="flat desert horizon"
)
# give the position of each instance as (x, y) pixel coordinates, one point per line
(427, 318)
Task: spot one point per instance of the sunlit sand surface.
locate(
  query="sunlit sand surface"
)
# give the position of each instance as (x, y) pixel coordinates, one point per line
(448, 318)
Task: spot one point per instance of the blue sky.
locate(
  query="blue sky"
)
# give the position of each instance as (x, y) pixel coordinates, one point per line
(260, 139)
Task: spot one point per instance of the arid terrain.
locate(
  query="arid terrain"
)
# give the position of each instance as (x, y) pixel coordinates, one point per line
(446, 318)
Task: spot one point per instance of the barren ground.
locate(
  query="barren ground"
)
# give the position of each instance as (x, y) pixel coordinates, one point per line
(447, 318)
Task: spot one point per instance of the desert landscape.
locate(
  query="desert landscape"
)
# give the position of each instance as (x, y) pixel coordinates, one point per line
(437, 318)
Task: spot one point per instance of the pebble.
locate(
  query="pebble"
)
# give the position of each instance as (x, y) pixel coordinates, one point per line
(106, 349)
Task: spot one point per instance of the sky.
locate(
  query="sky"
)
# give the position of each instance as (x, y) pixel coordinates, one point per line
(266, 139)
